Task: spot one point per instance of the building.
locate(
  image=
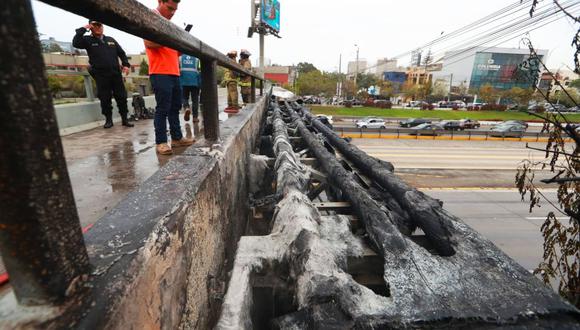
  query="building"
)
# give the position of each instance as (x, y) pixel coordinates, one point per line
(385, 65)
(280, 74)
(72, 62)
(352, 67)
(476, 67)
(52, 44)
(396, 78)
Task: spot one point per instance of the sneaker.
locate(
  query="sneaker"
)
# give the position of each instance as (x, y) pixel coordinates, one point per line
(187, 114)
(184, 142)
(164, 149)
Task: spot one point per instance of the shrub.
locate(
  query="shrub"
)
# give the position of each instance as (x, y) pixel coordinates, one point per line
(348, 104)
(383, 104)
(494, 107)
(425, 106)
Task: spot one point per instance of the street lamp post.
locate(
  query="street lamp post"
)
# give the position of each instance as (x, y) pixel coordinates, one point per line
(356, 68)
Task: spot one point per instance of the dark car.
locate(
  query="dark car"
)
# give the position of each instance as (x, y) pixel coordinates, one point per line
(427, 129)
(451, 125)
(469, 123)
(412, 122)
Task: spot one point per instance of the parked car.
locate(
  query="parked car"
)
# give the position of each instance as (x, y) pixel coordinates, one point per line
(574, 109)
(427, 129)
(555, 108)
(469, 123)
(513, 130)
(371, 123)
(412, 122)
(451, 125)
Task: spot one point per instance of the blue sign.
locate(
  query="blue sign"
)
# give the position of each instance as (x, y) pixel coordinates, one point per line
(271, 14)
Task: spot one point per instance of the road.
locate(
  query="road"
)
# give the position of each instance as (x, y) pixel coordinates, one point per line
(475, 180)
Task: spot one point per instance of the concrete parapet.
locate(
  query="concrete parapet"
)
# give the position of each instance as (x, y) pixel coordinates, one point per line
(161, 257)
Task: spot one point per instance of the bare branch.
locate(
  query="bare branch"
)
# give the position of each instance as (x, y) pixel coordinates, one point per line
(577, 19)
(560, 180)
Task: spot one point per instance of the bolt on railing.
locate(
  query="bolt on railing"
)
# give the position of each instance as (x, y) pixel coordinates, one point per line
(40, 234)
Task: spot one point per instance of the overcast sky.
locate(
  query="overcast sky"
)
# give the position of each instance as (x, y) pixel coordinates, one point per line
(319, 31)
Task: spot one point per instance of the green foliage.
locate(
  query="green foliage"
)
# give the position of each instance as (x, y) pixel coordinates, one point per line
(387, 89)
(305, 67)
(519, 95)
(52, 48)
(54, 85)
(562, 98)
(316, 83)
(440, 88)
(575, 83)
(366, 80)
(143, 68)
(488, 94)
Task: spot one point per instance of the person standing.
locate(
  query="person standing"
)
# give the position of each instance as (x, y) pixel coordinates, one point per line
(104, 54)
(164, 75)
(231, 79)
(190, 84)
(245, 80)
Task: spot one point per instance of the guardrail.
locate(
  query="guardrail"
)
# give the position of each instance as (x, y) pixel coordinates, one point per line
(40, 234)
(470, 134)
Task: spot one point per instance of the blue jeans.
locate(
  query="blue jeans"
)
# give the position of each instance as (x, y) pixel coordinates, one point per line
(167, 91)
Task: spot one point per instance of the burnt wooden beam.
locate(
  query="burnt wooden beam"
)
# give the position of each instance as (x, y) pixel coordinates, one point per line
(426, 212)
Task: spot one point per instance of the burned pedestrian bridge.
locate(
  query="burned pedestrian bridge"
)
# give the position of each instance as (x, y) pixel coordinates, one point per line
(269, 221)
(349, 245)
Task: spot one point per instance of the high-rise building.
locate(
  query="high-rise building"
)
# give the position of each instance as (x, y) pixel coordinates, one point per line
(385, 65)
(362, 66)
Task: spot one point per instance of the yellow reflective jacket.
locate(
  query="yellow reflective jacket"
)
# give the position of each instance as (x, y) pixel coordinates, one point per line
(246, 81)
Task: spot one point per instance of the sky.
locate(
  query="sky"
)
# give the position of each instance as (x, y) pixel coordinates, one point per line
(321, 31)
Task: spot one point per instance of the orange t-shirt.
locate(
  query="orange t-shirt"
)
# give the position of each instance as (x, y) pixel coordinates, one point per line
(163, 60)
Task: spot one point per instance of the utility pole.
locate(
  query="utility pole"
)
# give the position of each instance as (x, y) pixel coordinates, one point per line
(450, 86)
(262, 52)
(356, 70)
(339, 83)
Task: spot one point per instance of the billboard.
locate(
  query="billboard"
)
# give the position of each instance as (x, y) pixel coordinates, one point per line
(270, 14)
(497, 69)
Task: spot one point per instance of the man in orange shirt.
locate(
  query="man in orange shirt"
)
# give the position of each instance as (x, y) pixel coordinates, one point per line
(164, 75)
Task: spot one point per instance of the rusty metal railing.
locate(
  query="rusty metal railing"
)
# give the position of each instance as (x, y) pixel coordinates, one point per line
(40, 234)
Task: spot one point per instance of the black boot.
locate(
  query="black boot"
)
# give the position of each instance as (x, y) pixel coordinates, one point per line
(125, 121)
(108, 122)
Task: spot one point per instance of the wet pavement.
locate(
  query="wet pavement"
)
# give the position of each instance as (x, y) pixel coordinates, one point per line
(104, 165)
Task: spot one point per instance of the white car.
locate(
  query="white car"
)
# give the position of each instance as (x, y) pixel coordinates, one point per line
(371, 123)
(325, 117)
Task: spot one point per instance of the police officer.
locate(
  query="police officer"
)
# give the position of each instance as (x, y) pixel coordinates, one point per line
(245, 80)
(104, 54)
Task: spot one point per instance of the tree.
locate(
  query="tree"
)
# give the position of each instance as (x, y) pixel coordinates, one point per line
(52, 48)
(568, 97)
(488, 94)
(143, 68)
(440, 88)
(561, 166)
(366, 80)
(316, 83)
(387, 89)
(54, 85)
(521, 96)
(575, 83)
(305, 67)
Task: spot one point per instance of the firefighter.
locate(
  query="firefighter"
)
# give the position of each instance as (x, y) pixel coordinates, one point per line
(245, 80)
(231, 79)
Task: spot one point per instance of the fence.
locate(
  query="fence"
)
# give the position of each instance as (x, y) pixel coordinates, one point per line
(476, 135)
(40, 234)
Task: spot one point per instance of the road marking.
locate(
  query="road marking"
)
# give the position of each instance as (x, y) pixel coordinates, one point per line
(449, 148)
(544, 218)
(431, 156)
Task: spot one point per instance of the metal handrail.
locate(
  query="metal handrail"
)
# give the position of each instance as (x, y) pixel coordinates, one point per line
(136, 19)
